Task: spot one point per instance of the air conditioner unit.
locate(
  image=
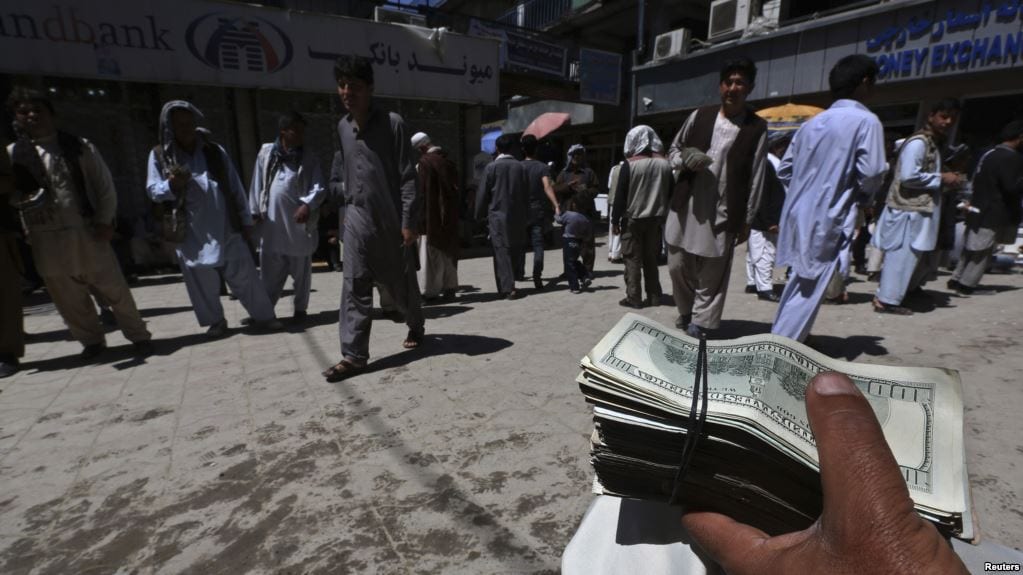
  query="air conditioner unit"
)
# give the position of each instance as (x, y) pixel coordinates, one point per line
(729, 17)
(573, 71)
(381, 14)
(671, 44)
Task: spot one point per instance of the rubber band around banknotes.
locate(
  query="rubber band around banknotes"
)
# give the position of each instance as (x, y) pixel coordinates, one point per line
(694, 428)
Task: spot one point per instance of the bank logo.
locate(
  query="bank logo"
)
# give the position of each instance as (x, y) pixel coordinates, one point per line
(245, 44)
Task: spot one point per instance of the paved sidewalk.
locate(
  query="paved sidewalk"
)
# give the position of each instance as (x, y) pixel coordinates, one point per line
(467, 456)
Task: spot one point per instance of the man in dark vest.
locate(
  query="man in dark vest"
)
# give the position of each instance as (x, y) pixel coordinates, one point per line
(69, 204)
(190, 175)
(720, 154)
(995, 217)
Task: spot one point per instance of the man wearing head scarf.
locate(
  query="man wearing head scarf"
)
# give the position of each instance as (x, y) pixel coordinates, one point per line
(763, 236)
(207, 216)
(438, 247)
(285, 195)
(503, 200)
(720, 153)
(580, 182)
(640, 204)
(68, 205)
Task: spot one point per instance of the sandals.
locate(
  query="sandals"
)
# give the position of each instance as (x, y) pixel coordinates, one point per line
(412, 340)
(881, 307)
(343, 370)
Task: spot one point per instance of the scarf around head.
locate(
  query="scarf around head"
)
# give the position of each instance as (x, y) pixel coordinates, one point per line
(642, 139)
(170, 151)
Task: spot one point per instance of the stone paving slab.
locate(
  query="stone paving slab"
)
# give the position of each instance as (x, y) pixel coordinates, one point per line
(467, 456)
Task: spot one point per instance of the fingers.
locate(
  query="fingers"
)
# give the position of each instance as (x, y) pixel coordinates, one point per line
(861, 480)
(731, 544)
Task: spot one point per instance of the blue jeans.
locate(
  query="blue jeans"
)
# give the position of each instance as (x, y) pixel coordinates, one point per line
(536, 233)
(571, 250)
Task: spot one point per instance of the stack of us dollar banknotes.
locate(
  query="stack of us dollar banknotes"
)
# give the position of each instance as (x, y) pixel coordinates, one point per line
(756, 459)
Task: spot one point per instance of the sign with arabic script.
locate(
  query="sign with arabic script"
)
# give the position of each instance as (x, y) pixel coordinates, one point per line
(234, 44)
(948, 37)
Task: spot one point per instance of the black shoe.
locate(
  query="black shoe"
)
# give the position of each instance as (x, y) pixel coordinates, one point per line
(585, 282)
(538, 283)
(768, 296)
(143, 348)
(9, 367)
(967, 290)
(652, 300)
(918, 293)
(626, 302)
(953, 284)
(219, 329)
(448, 295)
(751, 289)
(694, 330)
(576, 291)
(683, 321)
(881, 307)
(512, 295)
(299, 316)
(92, 350)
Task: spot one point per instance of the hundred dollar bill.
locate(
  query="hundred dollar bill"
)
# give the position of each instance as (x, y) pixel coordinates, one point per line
(759, 383)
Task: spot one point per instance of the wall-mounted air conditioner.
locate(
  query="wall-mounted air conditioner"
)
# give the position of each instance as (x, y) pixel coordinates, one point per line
(381, 14)
(573, 71)
(729, 18)
(671, 44)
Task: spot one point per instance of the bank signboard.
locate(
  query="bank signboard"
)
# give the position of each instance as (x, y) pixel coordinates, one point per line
(233, 44)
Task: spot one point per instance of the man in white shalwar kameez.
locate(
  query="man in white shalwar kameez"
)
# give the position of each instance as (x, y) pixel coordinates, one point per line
(835, 160)
(217, 221)
(286, 192)
(909, 225)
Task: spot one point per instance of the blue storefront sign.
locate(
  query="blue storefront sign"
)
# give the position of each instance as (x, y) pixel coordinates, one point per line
(600, 76)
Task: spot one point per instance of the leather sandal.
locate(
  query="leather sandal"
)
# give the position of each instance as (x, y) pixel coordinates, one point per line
(881, 307)
(342, 370)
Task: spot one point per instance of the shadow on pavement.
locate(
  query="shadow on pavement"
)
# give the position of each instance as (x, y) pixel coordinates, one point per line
(435, 344)
(847, 348)
(155, 311)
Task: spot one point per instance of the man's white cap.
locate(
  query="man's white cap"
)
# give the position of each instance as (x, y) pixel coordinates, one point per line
(420, 139)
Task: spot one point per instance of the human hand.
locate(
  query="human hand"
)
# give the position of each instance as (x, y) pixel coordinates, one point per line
(302, 214)
(773, 229)
(616, 230)
(951, 179)
(408, 237)
(178, 179)
(103, 232)
(742, 235)
(867, 525)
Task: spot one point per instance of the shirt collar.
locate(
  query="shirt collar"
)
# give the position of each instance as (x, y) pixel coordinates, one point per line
(847, 103)
(505, 157)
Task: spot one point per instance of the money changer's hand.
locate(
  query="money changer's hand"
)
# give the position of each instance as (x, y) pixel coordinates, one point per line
(868, 524)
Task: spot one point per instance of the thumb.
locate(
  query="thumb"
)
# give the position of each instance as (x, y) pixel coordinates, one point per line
(859, 475)
(731, 544)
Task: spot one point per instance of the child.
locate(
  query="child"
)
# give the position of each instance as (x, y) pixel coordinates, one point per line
(576, 229)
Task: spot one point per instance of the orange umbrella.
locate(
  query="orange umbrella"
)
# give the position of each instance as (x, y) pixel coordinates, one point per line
(788, 116)
(546, 123)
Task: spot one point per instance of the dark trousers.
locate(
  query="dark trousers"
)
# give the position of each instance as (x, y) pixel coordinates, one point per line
(589, 252)
(12, 333)
(535, 232)
(504, 268)
(575, 270)
(641, 244)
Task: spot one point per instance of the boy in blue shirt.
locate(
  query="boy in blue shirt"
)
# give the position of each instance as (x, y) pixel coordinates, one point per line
(576, 229)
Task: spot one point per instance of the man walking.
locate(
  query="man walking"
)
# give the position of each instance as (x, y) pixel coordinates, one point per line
(995, 217)
(720, 154)
(909, 225)
(285, 196)
(835, 160)
(578, 181)
(438, 247)
(502, 199)
(68, 205)
(641, 202)
(543, 205)
(763, 236)
(12, 327)
(207, 214)
(382, 210)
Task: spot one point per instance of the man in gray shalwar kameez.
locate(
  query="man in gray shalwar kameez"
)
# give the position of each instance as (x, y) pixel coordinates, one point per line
(382, 208)
(285, 194)
(188, 169)
(503, 198)
(720, 153)
(995, 217)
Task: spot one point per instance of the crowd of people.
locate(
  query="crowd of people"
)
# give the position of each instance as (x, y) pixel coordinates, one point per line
(801, 198)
